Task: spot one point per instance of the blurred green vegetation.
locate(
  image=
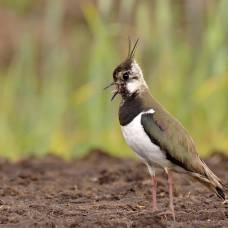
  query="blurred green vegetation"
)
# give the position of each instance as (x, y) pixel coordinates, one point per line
(51, 92)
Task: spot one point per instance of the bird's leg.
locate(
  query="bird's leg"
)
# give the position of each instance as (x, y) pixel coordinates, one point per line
(170, 182)
(154, 187)
(154, 193)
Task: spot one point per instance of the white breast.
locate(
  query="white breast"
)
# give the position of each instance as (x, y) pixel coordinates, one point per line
(139, 141)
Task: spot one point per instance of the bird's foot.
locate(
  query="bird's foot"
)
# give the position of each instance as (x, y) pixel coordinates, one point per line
(154, 208)
(154, 205)
(168, 212)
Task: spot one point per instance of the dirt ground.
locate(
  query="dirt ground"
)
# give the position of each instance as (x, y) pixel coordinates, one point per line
(102, 191)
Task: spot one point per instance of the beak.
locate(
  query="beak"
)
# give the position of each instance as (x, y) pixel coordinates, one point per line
(108, 86)
(115, 92)
(114, 95)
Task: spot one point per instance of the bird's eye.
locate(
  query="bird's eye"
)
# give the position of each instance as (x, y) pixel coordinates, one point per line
(125, 76)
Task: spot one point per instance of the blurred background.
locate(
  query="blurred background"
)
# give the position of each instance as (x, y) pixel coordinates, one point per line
(56, 56)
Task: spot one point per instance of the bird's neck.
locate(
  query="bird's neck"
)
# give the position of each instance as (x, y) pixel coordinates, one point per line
(133, 105)
(138, 102)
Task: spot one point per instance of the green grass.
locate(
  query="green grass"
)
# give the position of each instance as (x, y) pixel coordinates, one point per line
(57, 104)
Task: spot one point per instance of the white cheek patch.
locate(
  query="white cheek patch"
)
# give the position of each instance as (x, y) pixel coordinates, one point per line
(135, 84)
(132, 86)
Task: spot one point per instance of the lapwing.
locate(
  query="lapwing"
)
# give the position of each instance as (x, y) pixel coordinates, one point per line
(158, 138)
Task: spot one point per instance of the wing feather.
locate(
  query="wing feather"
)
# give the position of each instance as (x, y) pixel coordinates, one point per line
(171, 136)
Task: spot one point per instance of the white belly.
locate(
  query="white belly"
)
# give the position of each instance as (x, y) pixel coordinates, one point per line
(138, 140)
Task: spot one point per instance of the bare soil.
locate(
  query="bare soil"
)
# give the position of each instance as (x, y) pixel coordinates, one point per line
(102, 191)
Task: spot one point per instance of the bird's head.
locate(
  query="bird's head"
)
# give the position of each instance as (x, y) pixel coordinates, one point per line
(128, 77)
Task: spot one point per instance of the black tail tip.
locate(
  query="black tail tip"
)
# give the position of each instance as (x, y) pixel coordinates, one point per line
(220, 193)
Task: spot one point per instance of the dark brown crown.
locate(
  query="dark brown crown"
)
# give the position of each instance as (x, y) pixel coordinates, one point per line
(126, 65)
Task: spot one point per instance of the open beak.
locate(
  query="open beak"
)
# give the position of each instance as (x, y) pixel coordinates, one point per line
(108, 86)
(115, 92)
(114, 95)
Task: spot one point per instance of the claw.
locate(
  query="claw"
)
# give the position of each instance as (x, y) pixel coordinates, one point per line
(169, 212)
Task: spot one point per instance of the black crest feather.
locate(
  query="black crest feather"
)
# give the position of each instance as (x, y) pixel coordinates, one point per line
(131, 53)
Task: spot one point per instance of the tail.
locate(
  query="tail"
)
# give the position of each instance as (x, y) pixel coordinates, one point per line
(210, 180)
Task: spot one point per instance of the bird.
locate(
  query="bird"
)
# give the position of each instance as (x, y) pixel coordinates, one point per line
(157, 137)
